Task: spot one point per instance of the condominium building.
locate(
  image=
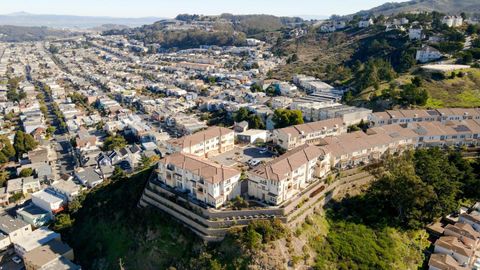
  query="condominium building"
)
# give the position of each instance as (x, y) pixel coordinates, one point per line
(408, 116)
(281, 179)
(358, 148)
(309, 133)
(203, 180)
(209, 142)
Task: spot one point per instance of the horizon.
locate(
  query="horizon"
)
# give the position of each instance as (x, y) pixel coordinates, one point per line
(143, 8)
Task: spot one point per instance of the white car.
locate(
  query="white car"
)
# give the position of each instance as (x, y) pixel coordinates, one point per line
(253, 162)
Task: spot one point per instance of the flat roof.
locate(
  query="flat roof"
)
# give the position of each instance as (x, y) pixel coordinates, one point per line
(37, 238)
(47, 197)
(9, 224)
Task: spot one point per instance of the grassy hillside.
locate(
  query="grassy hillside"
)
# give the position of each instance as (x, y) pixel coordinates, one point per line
(461, 91)
(457, 92)
(443, 6)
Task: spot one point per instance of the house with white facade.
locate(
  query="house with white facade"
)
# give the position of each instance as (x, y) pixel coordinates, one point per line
(209, 142)
(428, 54)
(284, 177)
(309, 133)
(200, 178)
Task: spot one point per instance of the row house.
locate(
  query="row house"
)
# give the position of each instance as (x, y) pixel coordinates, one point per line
(203, 180)
(357, 148)
(209, 142)
(283, 178)
(309, 133)
(409, 116)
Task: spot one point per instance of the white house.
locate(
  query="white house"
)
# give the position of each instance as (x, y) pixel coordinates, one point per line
(281, 179)
(427, 54)
(212, 141)
(365, 23)
(204, 180)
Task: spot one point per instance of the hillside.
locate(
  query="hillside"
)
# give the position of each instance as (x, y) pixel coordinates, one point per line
(190, 31)
(11, 33)
(108, 231)
(442, 6)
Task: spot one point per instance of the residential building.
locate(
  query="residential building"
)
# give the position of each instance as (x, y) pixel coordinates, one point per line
(444, 262)
(284, 177)
(209, 142)
(34, 239)
(428, 54)
(14, 228)
(452, 246)
(453, 21)
(88, 176)
(53, 255)
(34, 215)
(464, 232)
(309, 133)
(202, 179)
(365, 23)
(48, 201)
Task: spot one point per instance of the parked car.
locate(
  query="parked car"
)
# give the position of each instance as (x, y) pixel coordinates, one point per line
(253, 162)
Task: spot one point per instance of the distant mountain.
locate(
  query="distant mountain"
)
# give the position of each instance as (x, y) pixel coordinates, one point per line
(443, 6)
(70, 21)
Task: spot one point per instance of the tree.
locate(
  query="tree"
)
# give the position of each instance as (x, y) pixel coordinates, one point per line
(23, 143)
(401, 194)
(7, 148)
(30, 142)
(51, 130)
(19, 143)
(62, 222)
(4, 176)
(114, 142)
(284, 118)
(145, 162)
(26, 172)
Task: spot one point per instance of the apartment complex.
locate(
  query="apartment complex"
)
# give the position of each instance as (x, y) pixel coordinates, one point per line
(281, 179)
(201, 179)
(309, 133)
(209, 142)
(408, 116)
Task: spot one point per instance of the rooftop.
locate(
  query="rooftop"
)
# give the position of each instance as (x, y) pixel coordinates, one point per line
(9, 224)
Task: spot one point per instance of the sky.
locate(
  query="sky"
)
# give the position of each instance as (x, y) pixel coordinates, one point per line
(170, 8)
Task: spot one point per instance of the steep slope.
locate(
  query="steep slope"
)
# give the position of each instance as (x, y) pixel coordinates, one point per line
(443, 6)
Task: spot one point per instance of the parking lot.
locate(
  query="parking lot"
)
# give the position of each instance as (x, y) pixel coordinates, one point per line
(241, 155)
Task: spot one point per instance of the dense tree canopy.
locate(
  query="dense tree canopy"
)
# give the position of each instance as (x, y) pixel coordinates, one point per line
(414, 189)
(285, 118)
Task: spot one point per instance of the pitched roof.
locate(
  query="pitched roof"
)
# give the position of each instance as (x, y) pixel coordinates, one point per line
(445, 262)
(312, 127)
(199, 137)
(278, 168)
(209, 171)
(453, 244)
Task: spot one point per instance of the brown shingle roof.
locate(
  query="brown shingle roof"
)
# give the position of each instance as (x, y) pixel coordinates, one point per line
(211, 172)
(278, 168)
(199, 137)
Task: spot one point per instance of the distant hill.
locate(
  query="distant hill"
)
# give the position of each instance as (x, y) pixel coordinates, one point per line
(188, 31)
(12, 33)
(443, 6)
(69, 21)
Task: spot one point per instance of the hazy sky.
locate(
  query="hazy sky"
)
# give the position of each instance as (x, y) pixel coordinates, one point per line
(170, 8)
